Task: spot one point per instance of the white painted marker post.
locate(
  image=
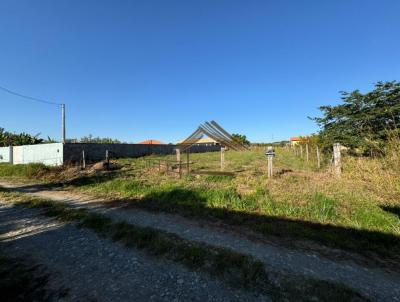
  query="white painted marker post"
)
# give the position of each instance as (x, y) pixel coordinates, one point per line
(270, 153)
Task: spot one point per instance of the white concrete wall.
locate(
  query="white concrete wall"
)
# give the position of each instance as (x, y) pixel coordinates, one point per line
(48, 154)
(5, 154)
(18, 155)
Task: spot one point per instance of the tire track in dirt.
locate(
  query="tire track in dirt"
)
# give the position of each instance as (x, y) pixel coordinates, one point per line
(91, 268)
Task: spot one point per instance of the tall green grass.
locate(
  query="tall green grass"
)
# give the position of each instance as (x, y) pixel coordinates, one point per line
(32, 170)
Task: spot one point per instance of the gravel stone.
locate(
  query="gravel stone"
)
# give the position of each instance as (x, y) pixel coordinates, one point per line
(96, 269)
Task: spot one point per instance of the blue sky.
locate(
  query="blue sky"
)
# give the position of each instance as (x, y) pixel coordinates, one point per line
(134, 70)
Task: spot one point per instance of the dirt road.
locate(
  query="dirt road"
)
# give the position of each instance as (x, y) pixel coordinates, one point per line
(88, 268)
(377, 284)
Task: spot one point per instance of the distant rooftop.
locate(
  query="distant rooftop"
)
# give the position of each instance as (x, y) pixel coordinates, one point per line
(204, 140)
(151, 142)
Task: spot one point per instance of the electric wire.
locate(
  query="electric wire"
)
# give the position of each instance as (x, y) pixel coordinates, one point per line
(29, 97)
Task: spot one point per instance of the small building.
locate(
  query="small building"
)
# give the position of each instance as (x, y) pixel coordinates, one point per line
(151, 142)
(295, 140)
(205, 141)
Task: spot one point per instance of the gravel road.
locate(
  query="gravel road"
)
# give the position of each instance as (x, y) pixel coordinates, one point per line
(90, 268)
(375, 283)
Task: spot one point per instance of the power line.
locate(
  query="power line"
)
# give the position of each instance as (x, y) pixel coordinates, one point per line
(28, 97)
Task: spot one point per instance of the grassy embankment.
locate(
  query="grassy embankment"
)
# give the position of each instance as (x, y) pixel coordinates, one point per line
(234, 268)
(358, 212)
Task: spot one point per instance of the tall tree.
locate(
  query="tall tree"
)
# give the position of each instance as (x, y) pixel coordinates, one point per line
(363, 120)
(241, 139)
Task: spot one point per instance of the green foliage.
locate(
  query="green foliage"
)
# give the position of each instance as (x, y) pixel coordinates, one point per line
(277, 144)
(241, 139)
(363, 120)
(32, 170)
(49, 140)
(13, 139)
(95, 140)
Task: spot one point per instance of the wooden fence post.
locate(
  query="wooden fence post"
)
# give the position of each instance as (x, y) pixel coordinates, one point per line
(178, 155)
(318, 159)
(337, 162)
(187, 162)
(107, 159)
(83, 160)
(307, 152)
(180, 169)
(222, 158)
(301, 151)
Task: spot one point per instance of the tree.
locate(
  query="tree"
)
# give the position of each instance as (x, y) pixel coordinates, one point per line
(95, 140)
(364, 121)
(12, 139)
(241, 139)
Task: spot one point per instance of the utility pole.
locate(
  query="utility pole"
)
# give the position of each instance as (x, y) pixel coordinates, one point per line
(63, 123)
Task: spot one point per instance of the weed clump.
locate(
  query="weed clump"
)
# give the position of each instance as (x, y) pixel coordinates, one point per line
(32, 170)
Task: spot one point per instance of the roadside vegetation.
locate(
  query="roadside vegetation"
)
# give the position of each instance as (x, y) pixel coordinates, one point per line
(31, 171)
(358, 212)
(234, 268)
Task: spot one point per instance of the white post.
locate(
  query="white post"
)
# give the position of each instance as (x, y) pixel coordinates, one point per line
(222, 158)
(270, 166)
(178, 155)
(301, 151)
(337, 163)
(270, 155)
(107, 159)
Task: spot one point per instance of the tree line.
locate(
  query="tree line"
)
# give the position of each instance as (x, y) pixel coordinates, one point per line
(17, 139)
(363, 122)
(92, 139)
(8, 138)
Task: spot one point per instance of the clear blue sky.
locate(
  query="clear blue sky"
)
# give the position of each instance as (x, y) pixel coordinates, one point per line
(156, 69)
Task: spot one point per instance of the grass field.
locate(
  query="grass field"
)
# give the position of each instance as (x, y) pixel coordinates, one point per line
(357, 212)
